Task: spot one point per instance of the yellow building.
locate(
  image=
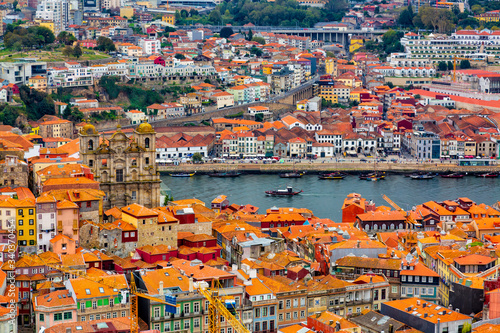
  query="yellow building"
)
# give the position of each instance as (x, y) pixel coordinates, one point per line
(146, 4)
(331, 66)
(168, 18)
(493, 16)
(328, 94)
(356, 43)
(127, 12)
(26, 222)
(49, 24)
(38, 82)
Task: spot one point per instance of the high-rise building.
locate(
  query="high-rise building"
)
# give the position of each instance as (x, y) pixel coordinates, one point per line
(56, 11)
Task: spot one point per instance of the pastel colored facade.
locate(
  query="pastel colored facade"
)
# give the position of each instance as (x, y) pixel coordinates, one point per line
(54, 308)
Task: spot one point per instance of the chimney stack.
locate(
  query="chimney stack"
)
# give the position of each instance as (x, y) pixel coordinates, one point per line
(161, 288)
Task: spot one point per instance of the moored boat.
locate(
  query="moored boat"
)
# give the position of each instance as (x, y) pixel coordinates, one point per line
(333, 175)
(182, 174)
(423, 177)
(292, 174)
(287, 192)
(488, 175)
(225, 174)
(379, 175)
(454, 175)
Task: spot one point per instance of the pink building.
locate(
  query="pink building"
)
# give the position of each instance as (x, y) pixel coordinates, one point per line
(54, 308)
(69, 215)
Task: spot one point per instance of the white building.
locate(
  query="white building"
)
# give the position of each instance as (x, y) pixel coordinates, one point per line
(55, 10)
(324, 149)
(135, 116)
(73, 75)
(150, 46)
(46, 209)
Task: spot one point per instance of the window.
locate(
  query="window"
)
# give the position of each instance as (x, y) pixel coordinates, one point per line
(177, 326)
(82, 318)
(295, 315)
(196, 307)
(124, 313)
(417, 291)
(403, 290)
(20, 222)
(57, 316)
(119, 175)
(186, 324)
(146, 160)
(280, 306)
(410, 291)
(257, 313)
(295, 302)
(417, 278)
(288, 316)
(257, 327)
(186, 308)
(157, 312)
(196, 322)
(403, 278)
(288, 304)
(31, 211)
(394, 289)
(32, 222)
(271, 310)
(146, 143)
(42, 317)
(424, 279)
(302, 314)
(91, 317)
(68, 315)
(430, 291)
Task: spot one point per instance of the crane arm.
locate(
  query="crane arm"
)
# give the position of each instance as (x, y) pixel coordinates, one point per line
(221, 308)
(392, 203)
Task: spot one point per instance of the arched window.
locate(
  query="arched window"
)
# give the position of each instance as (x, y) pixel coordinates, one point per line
(90, 145)
(146, 143)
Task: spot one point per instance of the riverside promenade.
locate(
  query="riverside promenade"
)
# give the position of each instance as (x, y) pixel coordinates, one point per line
(325, 166)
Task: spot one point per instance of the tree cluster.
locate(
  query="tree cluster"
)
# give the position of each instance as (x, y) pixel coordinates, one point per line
(139, 98)
(19, 38)
(76, 51)
(278, 13)
(105, 44)
(66, 38)
(37, 103)
(436, 19)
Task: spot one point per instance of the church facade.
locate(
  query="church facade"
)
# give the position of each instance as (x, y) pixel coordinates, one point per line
(124, 165)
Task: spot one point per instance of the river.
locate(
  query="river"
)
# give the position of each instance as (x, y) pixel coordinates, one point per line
(325, 197)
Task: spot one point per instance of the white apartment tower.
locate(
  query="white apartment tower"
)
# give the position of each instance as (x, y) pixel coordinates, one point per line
(55, 10)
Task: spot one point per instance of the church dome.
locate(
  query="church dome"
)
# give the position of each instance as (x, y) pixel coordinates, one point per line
(88, 130)
(145, 128)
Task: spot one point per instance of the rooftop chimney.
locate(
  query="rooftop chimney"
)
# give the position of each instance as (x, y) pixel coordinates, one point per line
(161, 287)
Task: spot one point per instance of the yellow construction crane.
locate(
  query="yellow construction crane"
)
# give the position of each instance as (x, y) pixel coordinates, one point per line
(134, 294)
(216, 308)
(455, 58)
(407, 215)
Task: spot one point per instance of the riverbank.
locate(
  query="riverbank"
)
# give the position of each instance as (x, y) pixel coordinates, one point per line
(315, 167)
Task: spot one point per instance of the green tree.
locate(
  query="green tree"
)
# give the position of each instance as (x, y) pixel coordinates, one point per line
(179, 56)
(259, 40)
(215, 17)
(406, 17)
(477, 9)
(255, 50)
(67, 51)
(450, 65)
(168, 198)
(337, 6)
(77, 51)
(464, 64)
(467, 328)
(105, 44)
(197, 158)
(442, 66)
(250, 35)
(65, 38)
(226, 32)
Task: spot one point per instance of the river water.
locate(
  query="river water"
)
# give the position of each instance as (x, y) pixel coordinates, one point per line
(325, 197)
